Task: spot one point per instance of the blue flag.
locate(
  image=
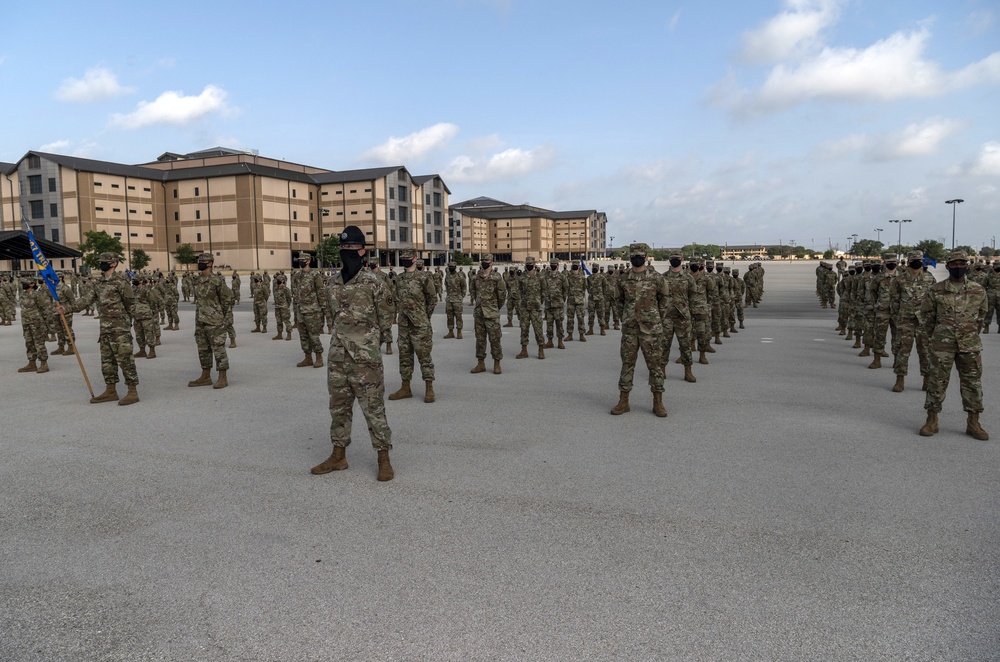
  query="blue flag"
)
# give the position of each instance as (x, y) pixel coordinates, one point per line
(45, 269)
(929, 261)
(583, 265)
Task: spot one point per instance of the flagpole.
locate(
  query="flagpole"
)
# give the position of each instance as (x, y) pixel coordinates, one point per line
(72, 342)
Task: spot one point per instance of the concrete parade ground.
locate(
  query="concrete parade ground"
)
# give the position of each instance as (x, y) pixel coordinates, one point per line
(786, 509)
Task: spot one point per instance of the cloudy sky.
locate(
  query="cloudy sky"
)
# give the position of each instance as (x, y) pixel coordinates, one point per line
(757, 121)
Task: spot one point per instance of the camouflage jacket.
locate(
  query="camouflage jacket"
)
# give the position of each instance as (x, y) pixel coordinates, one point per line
(115, 302)
(261, 293)
(883, 296)
(952, 315)
(66, 297)
(415, 297)
(556, 289)
(491, 294)
(532, 285)
(36, 306)
(213, 299)
(597, 286)
(993, 282)
(681, 286)
(698, 299)
(141, 309)
(576, 286)
(643, 299)
(282, 297)
(906, 292)
(362, 312)
(309, 293)
(456, 285)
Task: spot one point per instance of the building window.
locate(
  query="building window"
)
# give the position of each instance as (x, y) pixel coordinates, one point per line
(354, 213)
(52, 184)
(146, 189)
(392, 214)
(437, 236)
(354, 190)
(437, 218)
(149, 235)
(402, 194)
(34, 184)
(148, 213)
(196, 191)
(198, 237)
(118, 234)
(116, 210)
(404, 215)
(115, 186)
(427, 198)
(177, 238)
(132, 211)
(177, 216)
(339, 192)
(392, 235)
(55, 236)
(197, 213)
(99, 208)
(38, 231)
(37, 209)
(98, 184)
(428, 218)
(340, 213)
(131, 188)
(34, 161)
(175, 193)
(53, 209)
(429, 241)
(310, 195)
(437, 199)
(295, 236)
(368, 190)
(392, 193)
(404, 235)
(310, 216)
(133, 234)
(293, 193)
(324, 193)
(295, 215)
(312, 237)
(368, 211)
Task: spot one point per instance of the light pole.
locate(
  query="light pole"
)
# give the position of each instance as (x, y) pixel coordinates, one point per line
(954, 203)
(878, 235)
(849, 246)
(899, 239)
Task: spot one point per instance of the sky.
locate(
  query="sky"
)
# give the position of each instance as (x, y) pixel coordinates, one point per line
(758, 121)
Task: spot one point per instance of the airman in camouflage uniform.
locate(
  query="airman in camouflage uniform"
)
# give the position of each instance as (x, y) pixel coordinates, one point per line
(597, 288)
(237, 283)
(952, 313)
(34, 328)
(612, 306)
(883, 320)
(362, 309)
(677, 314)
(491, 294)
(993, 297)
(644, 297)
(212, 299)
(261, 292)
(186, 288)
(282, 313)
(739, 290)
(66, 297)
(532, 292)
(313, 304)
(7, 308)
(142, 318)
(576, 301)
(556, 292)
(906, 293)
(170, 299)
(513, 296)
(115, 305)
(456, 285)
(701, 311)
(415, 297)
(387, 282)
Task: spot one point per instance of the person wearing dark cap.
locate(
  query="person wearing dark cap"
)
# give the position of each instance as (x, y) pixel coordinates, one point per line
(362, 308)
(952, 314)
(313, 305)
(34, 327)
(993, 297)
(212, 298)
(556, 292)
(906, 293)
(491, 294)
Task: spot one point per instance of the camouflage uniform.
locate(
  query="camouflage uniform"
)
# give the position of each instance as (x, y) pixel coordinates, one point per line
(993, 297)
(556, 292)
(155, 304)
(282, 312)
(415, 296)
(212, 299)
(142, 318)
(532, 285)
(612, 305)
(456, 285)
(677, 313)
(116, 305)
(313, 304)
(170, 299)
(6, 301)
(66, 298)
(576, 301)
(739, 290)
(490, 297)
(237, 283)
(261, 293)
(701, 310)
(906, 294)
(597, 285)
(34, 310)
(513, 296)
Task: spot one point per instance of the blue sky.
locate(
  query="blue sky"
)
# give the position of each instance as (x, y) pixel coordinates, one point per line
(709, 122)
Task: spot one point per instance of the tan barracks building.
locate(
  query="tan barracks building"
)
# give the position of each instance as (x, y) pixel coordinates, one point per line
(251, 212)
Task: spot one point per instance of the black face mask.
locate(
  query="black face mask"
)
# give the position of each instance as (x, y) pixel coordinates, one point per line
(637, 260)
(718, 270)
(694, 268)
(958, 273)
(890, 266)
(576, 267)
(675, 262)
(420, 268)
(406, 264)
(996, 269)
(851, 272)
(529, 267)
(916, 264)
(202, 266)
(105, 266)
(353, 263)
(451, 269)
(485, 265)
(555, 267)
(876, 269)
(26, 286)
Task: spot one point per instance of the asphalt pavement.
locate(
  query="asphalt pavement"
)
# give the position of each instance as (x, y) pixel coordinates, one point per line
(786, 509)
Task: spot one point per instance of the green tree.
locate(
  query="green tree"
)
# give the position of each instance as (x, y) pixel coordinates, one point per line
(140, 259)
(799, 251)
(968, 250)
(867, 247)
(97, 243)
(828, 254)
(458, 257)
(900, 249)
(185, 254)
(987, 251)
(328, 251)
(933, 249)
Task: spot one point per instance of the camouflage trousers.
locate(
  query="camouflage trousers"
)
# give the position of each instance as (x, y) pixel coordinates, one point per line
(597, 310)
(211, 342)
(116, 353)
(970, 376)
(172, 317)
(554, 317)
(415, 339)
(909, 333)
(681, 327)
(487, 328)
(651, 345)
(35, 333)
(880, 328)
(260, 314)
(717, 317)
(511, 307)
(282, 319)
(346, 380)
(453, 311)
(236, 295)
(575, 310)
(228, 323)
(701, 331)
(611, 311)
(310, 329)
(61, 330)
(993, 311)
(531, 318)
(145, 332)
(842, 315)
(738, 304)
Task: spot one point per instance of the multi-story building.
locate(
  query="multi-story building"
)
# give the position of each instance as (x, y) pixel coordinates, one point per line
(250, 211)
(512, 232)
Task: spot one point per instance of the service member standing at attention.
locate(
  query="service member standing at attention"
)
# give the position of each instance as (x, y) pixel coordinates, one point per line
(415, 295)
(555, 304)
(906, 293)
(114, 298)
(236, 287)
(643, 299)
(952, 314)
(282, 311)
(456, 285)
(576, 301)
(490, 297)
(311, 300)
(35, 328)
(677, 320)
(361, 307)
(532, 285)
(212, 298)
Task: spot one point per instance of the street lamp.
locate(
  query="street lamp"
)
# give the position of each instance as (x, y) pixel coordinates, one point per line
(899, 239)
(878, 235)
(954, 203)
(849, 246)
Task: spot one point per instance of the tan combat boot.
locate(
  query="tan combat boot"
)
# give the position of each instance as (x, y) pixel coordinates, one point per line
(480, 367)
(31, 367)
(604, 330)
(867, 351)
(931, 426)
(617, 327)
(141, 354)
(288, 335)
(561, 345)
(523, 354)
(850, 334)
(278, 335)
(496, 367)
(717, 340)
(548, 343)
(658, 407)
(680, 359)
(69, 351)
(622, 405)
(569, 337)
(388, 347)
(450, 334)
(232, 343)
(541, 352)
(898, 386)
(741, 325)
(131, 397)
(725, 333)
(58, 350)
(306, 362)
(876, 362)
(429, 395)
(256, 329)
(458, 334)
(857, 341)
(509, 324)
(385, 471)
(732, 329)
(110, 395)
(318, 363)
(223, 381)
(709, 349)
(702, 359)
(204, 380)
(151, 354)
(403, 392)
(43, 366)
(974, 429)
(583, 338)
(688, 375)
(336, 462)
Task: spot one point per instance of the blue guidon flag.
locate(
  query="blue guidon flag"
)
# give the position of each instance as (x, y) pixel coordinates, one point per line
(45, 269)
(929, 261)
(583, 265)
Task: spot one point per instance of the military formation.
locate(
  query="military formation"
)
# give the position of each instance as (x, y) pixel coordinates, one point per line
(885, 301)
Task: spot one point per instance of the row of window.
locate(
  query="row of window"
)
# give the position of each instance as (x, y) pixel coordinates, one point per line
(100, 184)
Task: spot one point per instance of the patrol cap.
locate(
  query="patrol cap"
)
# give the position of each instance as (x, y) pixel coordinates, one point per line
(697, 260)
(529, 260)
(279, 279)
(487, 258)
(420, 262)
(709, 261)
(735, 271)
(823, 263)
(859, 264)
(206, 257)
(726, 270)
(638, 249)
(957, 256)
(303, 257)
(352, 234)
(108, 257)
(676, 255)
(914, 255)
(407, 254)
(890, 257)
(553, 261)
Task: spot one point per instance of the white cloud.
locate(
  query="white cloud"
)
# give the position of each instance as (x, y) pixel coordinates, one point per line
(97, 83)
(175, 108)
(832, 150)
(66, 147)
(400, 150)
(507, 164)
(980, 22)
(792, 31)
(55, 146)
(674, 20)
(915, 140)
(988, 162)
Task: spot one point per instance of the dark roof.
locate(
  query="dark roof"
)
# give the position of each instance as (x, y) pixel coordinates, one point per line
(6, 167)
(580, 213)
(481, 201)
(14, 246)
(225, 169)
(213, 151)
(420, 179)
(339, 177)
(104, 167)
